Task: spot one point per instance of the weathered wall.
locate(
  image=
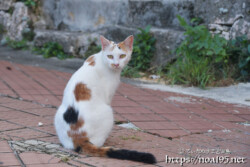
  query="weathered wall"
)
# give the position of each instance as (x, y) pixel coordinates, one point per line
(230, 18)
(117, 19)
(14, 23)
(77, 23)
(78, 15)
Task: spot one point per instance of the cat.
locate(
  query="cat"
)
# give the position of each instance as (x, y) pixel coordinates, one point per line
(85, 118)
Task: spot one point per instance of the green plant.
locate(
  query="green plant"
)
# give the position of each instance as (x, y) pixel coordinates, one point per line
(17, 44)
(131, 72)
(92, 49)
(29, 3)
(10, 10)
(2, 29)
(29, 35)
(201, 56)
(238, 50)
(143, 52)
(190, 71)
(52, 49)
(130, 138)
(199, 42)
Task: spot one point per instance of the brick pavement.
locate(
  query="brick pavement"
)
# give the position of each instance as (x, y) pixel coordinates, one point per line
(169, 122)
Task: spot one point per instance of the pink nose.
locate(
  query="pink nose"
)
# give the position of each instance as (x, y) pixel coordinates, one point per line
(116, 65)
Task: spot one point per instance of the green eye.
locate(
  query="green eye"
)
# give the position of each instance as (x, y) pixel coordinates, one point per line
(110, 56)
(122, 56)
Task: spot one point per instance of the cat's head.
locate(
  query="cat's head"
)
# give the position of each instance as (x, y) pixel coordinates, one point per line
(117, 56)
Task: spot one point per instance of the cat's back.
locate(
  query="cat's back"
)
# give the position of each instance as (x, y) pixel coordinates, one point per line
(85, 74)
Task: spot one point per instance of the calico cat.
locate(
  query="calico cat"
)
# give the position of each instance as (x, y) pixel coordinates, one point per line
(85, 118)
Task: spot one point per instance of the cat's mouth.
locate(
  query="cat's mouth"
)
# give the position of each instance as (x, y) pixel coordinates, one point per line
(116, 67)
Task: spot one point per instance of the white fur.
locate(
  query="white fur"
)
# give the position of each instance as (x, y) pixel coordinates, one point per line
(102, 79)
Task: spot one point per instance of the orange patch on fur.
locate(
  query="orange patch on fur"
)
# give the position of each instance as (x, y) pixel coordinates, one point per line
(122, 46)
(112, 48)
(82, 92)
(91, 61)
(81, 140)
(77, 125)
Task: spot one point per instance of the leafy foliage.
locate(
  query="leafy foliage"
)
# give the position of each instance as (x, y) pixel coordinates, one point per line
(197, 55)
(2, 29)
(130, 72)
(205, 59)
(52, 49)
(29, 3)
(10, 10)
(191, 71)
(92, 49)
(238, 51)
(29, 35)
(199, 42)
(143, 52)
(17, 44)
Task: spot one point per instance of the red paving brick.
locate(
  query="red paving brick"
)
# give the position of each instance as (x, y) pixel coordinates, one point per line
(5, 148)
(32, 158)
(167, 123)
(8, 159)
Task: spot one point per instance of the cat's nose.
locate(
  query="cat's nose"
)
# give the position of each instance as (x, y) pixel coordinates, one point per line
(116, 65)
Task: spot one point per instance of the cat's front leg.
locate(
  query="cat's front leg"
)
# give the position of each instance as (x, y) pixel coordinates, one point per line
(101, 125)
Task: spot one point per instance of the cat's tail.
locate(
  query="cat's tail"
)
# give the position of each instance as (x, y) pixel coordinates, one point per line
(82, 143)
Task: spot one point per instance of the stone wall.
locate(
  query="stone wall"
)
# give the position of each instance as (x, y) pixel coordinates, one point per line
(228, 18)
(14, 18)
(77, 23)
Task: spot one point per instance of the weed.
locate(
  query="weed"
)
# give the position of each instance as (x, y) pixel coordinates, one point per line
(239, 57)
(199, 56)
(143, 52)
(29, 3)
(29, 35)
(130, 137)
(2, 29)
(10, 10)
(17, 44)
(92, 49)
(190, 71)
(199, 42)
(52, 49)
(131, 72)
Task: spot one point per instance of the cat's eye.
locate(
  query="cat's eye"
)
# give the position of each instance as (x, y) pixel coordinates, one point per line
(110, 56)
(122, 56)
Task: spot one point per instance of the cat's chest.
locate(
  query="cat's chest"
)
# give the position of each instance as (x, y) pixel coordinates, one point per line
(105, 89)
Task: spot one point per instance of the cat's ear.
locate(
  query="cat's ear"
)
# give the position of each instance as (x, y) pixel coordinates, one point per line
(128, 42)
(105, 42)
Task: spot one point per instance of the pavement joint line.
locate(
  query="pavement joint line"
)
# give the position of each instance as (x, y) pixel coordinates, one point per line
(60, 77)
(30, 101)
(37, 82)
(20, 110)
(41, 131)
(13, 129)
(10, 137)
(35, 145)
(13, 90)
(17, 155)
(84, 163)
(155, 112)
